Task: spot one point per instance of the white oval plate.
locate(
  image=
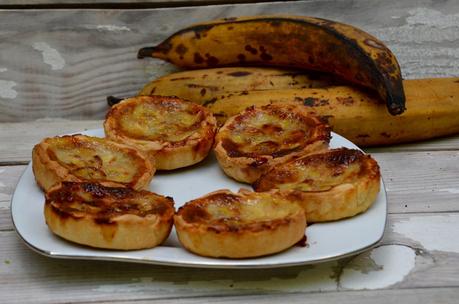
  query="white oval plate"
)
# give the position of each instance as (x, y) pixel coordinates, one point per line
(326, 241)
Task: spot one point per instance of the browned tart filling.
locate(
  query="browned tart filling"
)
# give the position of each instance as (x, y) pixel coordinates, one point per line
(172, 132)
(85, 158)
(329, 185)
(251, 142)
(108, 217)
(239, 225)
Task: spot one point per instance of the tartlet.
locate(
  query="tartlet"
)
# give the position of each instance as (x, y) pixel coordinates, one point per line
(247, 224)
(108, 217)
(172, 132)
(329, 185)
(85, 158)
(258, 138)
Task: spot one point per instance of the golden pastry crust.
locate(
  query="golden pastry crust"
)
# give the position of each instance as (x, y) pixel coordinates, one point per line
(259, 138)
(108, 217)
(242, 225)
(85, 158)
(173, 132)
(329, 185)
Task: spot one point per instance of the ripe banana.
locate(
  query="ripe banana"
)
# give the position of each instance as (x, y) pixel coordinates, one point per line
(433, 110)
(206, 85)
(288, 41)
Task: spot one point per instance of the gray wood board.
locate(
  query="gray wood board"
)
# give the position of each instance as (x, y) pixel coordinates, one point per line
(407, 257)
(63, 63)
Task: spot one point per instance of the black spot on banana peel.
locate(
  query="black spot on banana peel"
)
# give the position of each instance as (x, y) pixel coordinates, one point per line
(289, 41)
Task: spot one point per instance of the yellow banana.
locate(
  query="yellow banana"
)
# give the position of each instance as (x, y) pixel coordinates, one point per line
(433, 110)
(206, 85)
(288, 41)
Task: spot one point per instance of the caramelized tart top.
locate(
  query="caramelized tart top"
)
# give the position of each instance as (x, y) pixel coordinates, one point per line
(272, 130)
(105, 204)
(158, 118)
(224, 211)
(94, 158)
(320, 171)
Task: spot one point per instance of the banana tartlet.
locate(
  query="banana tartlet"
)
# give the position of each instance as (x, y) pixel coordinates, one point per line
(108, 217)
(246, 224)
(173, 132)
(329, 185)
(258, 138)
(81, 158)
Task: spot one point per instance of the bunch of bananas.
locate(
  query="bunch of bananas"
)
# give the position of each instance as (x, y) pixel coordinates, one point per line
(339, 72)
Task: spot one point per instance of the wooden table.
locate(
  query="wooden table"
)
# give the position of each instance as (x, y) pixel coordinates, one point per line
(57, 66)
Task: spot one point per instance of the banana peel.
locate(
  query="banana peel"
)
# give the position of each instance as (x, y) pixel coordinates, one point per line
(288, 41)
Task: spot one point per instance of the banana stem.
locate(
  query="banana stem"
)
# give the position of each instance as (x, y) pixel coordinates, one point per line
(145, 52)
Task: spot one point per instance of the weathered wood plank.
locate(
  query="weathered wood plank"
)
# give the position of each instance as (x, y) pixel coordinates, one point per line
(44, 73)
(410, 256)
(408, 296)
(9, 176)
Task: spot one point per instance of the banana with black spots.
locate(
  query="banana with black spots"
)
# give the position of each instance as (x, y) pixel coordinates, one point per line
(433, 110)
(288, 41)
(207, 85)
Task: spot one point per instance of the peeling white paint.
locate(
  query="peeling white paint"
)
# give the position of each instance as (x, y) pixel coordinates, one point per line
(6, 89)
(429, 231)
(2, 185)
(316, 278)
(50, 55)
(108, 27)
(3, 70)
(450, 190)
(392, 264)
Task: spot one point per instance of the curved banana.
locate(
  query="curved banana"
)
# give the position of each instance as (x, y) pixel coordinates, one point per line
(288, 41)
(433, 110)
(206, 85)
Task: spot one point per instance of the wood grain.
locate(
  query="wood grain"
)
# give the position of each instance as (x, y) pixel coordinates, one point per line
(28, 276)
(430, 295)
(73, 59)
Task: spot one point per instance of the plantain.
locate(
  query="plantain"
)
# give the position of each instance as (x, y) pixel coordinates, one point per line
(288, 41)
(433, 110)
(206, 85)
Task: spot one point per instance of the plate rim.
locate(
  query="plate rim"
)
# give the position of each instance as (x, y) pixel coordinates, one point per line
(194, 264)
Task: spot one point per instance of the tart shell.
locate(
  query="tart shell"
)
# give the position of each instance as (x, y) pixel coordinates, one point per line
(249, 166)
(113, 220)
(213, 234)
(167, 154)
(49, 170)
(329, 185)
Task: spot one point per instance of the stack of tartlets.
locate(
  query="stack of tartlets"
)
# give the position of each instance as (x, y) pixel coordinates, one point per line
(95, 187)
